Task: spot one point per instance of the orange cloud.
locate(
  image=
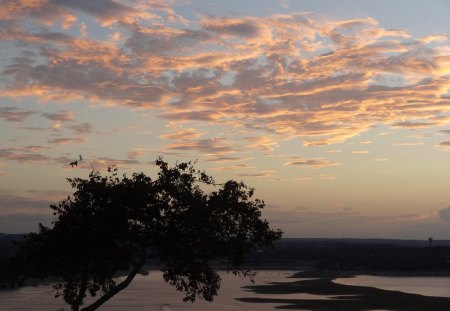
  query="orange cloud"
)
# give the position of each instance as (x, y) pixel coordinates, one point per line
(264, 143)
(184, 134)
(380, 159)
(444, 144)
(418, 143)
(67, 140)
(284, 76)
(137, 153)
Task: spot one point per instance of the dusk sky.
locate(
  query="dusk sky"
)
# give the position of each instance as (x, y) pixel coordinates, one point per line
(337, 112)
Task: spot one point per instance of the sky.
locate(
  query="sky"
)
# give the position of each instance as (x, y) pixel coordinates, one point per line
(337, 112)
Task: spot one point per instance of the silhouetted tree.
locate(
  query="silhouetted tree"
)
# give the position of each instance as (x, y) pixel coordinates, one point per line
(116, 223)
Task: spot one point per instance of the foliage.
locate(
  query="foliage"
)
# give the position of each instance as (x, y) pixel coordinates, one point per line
(116, 223)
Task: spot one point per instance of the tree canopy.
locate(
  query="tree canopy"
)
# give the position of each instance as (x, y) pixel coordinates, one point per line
(118, 223)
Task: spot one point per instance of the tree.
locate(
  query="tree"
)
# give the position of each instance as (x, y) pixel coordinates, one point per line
(117, 223)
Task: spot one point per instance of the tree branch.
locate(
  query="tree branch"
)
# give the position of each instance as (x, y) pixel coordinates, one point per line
(122, 285)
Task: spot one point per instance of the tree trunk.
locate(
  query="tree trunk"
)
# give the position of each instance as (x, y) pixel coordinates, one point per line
(82, 292)
(122, 285)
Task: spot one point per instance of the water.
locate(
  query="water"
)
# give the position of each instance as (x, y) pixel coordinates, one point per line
(152, 293)
(427, 286)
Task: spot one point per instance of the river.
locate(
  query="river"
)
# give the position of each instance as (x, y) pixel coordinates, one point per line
(152, 293)
(427, 286)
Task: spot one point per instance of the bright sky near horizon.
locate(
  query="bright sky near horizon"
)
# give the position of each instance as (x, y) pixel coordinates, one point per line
(337, 112)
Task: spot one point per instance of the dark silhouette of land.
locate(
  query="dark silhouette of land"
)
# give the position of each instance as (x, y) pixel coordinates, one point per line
(7, 247)
(327, 259)
(376, 256)
(343, 297)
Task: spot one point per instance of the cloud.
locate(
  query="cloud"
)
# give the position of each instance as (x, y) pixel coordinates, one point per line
(291, 76)
(398, 143)
(49, 12)
(67, 140)
(210, 147)
(313, 163)
(137, 153)
(47, 195)
(184, 134)
(60, 116)
(236, 167)
(360, 151)
(81, 129)
(261, 174)
(380, 159)
(326, 176)
(414, 125)
(351, 222)
(106, 11)
(14, 114)
(9, 203)
(2, 171)
(33, 155)
(444, 144)
(97, 164)
(263, 143)
(246, 28)
(23, 156)
(444, 214)
(228, 158)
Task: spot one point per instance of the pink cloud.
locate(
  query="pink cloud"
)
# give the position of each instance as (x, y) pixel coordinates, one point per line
(313, 163)
(14, 114)
(67, 140)
(210, 147)
(60, 116)
(81, 129)
(23, 156)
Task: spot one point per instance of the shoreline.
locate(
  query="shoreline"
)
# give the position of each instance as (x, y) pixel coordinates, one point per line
(343, 297)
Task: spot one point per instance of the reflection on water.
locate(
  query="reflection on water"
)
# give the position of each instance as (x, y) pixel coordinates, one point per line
(152, 293)
(427, 286)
